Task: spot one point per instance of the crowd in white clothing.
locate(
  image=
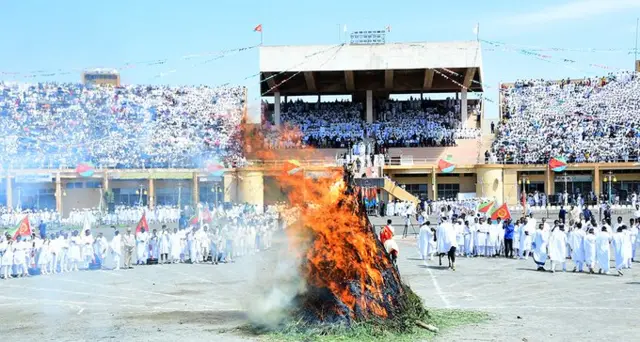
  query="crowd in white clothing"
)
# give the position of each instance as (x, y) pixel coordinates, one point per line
(222, 237)
(10, 217)
(593, 120)
(63, 124)
(586, 243)
(340, 124)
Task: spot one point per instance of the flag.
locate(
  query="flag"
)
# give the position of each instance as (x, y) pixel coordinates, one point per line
(485, 206)
(142, 224)
(446, 166)
(23, 228)
(292, 166)
(344, 28)
(502, 212)
(388, 28)
(85, 169)
(476, 29)
(258, 28)
(558, 164)
(523, 199)
(194, 219)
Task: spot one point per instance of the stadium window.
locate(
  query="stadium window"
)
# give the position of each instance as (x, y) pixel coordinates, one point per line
(74, 185)
(448, 191)
(93, 185)
(418, 190)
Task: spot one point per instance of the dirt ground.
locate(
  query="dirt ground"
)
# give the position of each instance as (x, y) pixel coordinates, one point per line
(205, 302)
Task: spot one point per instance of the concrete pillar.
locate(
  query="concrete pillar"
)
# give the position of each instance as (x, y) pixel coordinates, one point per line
(105, 181)
(434, 184)
(463, 107)
(230, 186)
(369, 107)
(9, 192)
(251, 187)
(151, 195)
(549, 182)
(59, 194)
(596, 180)
(489, 184)
(195, 190)
(276, 109)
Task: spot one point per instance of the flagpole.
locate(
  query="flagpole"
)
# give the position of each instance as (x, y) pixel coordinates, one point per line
(261, 38)
(636, 49)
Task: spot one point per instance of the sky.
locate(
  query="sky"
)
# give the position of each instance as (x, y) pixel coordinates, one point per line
(59, 39)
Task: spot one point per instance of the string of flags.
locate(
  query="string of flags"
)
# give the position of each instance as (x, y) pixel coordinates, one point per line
(484, 98)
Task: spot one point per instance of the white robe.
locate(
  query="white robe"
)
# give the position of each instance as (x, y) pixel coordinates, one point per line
(424, 241)
(603, 250)
(540, 248)
(176, 245)
(446, 236)
(576, 241)
(165, 243)
(618, 242)
(116, 245)
(558, 246)
(141, 247)
(526, 237)
(589, 246)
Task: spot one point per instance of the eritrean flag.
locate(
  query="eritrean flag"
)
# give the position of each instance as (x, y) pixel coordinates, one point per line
(85, 169)
(501, 212)
(558, 164)
(142, 224)
(214, 168)
(446, 166)
(292, 166)
(23, 229)
(485, 206)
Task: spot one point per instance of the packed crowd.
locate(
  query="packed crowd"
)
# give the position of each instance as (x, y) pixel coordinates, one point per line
(63, 124)
(10, 218)
(594, 120)
(224, 236)
(575, 235)
(411, 123)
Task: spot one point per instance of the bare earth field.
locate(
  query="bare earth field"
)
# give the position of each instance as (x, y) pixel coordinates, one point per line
(205, 302)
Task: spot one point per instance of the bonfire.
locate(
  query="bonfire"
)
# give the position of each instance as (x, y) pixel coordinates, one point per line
(349, 276)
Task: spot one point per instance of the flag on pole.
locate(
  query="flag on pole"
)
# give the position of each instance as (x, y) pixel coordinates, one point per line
(476, 29)
(485, 206)
(501, 212)
(23, 228)
(142, 224)
(344, 28)
(388, 28)
(258, 28)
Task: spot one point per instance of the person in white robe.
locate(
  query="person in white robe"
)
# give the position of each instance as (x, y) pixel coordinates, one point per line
(589, 246)
(6, 261)
(75, 251)
(481, 238)
(627, 247)
(192, 245)
(603, 250)
(459, 228)
(100, 249)
(87, 249)
(618, 241)
(142, 248)
(558, 248)
(633, 237)
(44, 257)
(165, 245)
(468, 239)
(526, 238)
(539, 246)
(154, 244)
(446, 240)
(423, 240)
(576, 241)
(175, 241)
(115, 246)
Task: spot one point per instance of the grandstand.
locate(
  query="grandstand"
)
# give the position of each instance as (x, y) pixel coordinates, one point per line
(150, 144)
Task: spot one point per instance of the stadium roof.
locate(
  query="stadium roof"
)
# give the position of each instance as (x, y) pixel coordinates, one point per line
(392, 68)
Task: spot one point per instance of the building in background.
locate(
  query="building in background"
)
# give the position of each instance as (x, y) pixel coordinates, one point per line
(101, 76)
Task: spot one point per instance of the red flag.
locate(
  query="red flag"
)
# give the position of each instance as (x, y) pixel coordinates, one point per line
(23, 229)
(502, 212)
(142, 224)
(258, 28)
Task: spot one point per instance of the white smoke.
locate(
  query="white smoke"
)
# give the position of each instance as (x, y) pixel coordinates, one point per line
(278, 282)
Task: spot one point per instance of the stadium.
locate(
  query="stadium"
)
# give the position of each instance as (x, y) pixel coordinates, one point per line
(91, 169)
(296, 206)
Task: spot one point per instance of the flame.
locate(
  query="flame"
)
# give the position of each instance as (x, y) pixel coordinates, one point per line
(340, 251)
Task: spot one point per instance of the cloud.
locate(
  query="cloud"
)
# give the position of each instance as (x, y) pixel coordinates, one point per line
(574, 10)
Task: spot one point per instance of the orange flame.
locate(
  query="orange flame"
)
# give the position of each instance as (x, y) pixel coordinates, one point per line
(341, 252)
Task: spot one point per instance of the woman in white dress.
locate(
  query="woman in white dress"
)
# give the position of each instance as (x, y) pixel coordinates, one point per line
(75, 254)
(44, 257)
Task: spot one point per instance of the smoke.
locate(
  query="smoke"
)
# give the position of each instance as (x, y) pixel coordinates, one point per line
(278, 282)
